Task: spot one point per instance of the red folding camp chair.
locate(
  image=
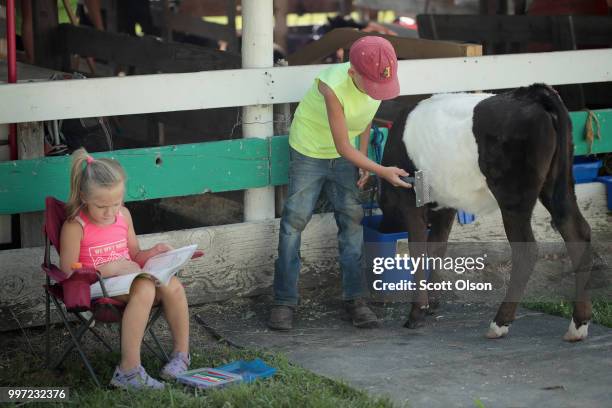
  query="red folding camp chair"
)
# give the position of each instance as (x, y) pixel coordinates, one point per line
(74, 294)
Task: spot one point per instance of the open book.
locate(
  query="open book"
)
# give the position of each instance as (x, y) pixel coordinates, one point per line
(161, 268)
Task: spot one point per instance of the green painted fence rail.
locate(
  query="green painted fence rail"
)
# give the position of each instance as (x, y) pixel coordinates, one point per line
(157, 172)
(197, 168)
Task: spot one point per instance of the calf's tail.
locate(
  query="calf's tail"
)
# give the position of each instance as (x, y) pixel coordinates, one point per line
(550, 100)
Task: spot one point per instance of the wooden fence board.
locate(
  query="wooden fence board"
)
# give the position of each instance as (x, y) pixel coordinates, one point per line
(147, 54)
(135, 94)
(589, 30)
(406, 48)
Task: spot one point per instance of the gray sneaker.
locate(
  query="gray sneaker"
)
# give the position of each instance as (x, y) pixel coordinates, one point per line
(135, 379)
(179, 362)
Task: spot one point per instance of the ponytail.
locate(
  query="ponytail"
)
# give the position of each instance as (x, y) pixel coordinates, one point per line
(86, 173)
(74, 204)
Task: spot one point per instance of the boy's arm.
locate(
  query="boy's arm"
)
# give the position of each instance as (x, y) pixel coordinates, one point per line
(138, 255)
(364, 140)
(337, 124)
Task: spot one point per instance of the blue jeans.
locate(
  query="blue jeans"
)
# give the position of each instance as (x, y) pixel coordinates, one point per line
(307, 177)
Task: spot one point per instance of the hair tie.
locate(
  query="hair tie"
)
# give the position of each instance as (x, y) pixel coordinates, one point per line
(90, 159)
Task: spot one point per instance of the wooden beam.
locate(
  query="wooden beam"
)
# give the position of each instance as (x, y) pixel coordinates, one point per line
(147, 54)
(112, 15)
(238, 261)
(6, 221)
(281, 8)
(254, 86)
(45, 22)
(589, 30)
(233, 45)
(194, 25)
(406, 48)
(3, 45)
(31, 146)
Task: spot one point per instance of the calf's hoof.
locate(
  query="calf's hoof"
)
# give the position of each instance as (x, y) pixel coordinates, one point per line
(433, 306)
(497, 332)
(414, 324)
(416, 318)
(574, 333)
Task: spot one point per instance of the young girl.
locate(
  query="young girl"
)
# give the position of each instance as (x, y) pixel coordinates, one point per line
(97, 220)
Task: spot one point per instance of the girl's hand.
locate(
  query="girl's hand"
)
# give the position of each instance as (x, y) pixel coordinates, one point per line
(364, 175)
(161, 248)
(392, 175)
(119, 267)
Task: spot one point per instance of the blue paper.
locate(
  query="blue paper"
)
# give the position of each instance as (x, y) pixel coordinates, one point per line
(249, 370)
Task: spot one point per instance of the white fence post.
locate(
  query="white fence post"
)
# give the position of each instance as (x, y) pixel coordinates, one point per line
(257, 120)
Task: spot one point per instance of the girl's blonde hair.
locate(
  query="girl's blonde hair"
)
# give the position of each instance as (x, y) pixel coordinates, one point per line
(87, 173)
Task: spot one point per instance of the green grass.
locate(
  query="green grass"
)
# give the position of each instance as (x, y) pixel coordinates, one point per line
(602, 309)
(292, 386)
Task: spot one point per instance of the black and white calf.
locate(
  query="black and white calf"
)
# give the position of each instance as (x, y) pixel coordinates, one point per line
(482, 152)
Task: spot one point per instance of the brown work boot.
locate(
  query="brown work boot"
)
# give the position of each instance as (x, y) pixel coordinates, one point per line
(360, 314)
(281, 318)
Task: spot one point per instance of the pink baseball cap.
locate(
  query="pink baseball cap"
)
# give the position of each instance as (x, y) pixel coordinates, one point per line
(375, 60)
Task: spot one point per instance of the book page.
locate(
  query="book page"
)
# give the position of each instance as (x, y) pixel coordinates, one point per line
(161, 267)
(115, 286)
(165, 265)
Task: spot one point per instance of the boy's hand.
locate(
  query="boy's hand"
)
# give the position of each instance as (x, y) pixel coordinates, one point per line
(364, 175)
(393, 174)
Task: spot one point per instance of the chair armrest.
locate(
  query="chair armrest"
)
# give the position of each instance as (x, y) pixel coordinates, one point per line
(54, 273)
(76, 288)
(85, 273)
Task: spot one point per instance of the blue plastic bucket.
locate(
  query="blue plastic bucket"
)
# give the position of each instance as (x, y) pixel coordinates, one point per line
(585, 169)
(380, 245)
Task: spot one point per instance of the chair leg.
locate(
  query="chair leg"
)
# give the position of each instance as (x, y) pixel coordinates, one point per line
(69, 345)
(94, 331)
(47, 327)
(75, 344)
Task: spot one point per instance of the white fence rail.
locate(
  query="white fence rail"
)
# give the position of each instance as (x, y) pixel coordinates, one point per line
(36, 101)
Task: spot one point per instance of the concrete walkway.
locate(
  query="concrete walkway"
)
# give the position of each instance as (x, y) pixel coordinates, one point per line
(449, 363)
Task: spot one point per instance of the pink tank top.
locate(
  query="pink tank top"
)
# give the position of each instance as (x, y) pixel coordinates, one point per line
(103, 243)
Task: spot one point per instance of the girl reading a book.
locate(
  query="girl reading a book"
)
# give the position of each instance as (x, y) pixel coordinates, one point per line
(99, 233)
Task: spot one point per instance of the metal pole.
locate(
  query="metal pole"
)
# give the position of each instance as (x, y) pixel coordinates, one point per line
(12, 68)
(257, 120)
